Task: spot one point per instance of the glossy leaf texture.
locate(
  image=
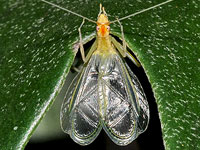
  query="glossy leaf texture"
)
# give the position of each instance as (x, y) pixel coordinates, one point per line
(167, 43)
(38, 45)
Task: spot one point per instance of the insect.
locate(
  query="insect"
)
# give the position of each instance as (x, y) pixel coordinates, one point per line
(106, 93)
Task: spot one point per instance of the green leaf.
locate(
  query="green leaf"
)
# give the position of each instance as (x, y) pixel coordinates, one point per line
(34, 61)
(38, 45)
(167, 43)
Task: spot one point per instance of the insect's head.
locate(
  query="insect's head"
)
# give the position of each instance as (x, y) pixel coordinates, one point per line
(103, 24)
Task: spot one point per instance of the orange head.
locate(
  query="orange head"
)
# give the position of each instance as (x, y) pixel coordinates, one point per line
(103, 25)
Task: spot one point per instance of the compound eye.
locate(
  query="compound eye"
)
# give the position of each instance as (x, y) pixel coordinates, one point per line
(97, 28)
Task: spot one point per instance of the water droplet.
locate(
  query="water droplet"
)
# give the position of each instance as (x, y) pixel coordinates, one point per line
(15, 128)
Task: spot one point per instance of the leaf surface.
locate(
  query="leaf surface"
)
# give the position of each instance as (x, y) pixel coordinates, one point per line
(38, 45)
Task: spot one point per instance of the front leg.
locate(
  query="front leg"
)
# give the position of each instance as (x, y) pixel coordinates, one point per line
(123, 39)
(121, 50)
(81, 42)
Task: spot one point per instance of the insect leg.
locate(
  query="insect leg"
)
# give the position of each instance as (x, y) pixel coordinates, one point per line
(120, 49)
(123, 39)
(118, 46)
(132, 58)
(81, 42)
(92, 49)
(76, 69)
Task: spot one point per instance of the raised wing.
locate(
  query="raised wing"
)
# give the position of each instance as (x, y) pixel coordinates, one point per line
(80, 109)
(126, 113)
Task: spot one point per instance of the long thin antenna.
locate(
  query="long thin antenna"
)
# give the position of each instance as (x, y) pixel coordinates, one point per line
(139, 12)
(52, 4)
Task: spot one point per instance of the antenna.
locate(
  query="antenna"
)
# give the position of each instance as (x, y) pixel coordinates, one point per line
(139, 12)
(131, 15)
(52, 4)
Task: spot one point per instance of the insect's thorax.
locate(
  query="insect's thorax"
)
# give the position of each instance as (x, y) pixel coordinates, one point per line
(104, 46)
(104, 55)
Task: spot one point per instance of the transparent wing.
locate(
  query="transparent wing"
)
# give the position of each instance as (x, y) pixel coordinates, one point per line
(79, 112)
(142, 102)
(122, 120)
